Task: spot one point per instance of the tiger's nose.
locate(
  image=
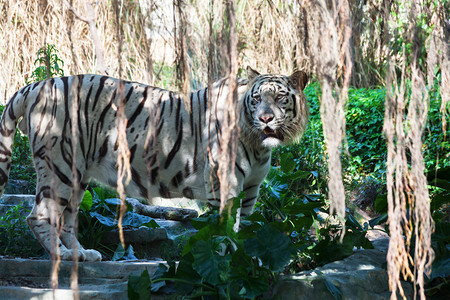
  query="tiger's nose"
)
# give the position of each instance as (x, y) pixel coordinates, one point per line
(266, 118)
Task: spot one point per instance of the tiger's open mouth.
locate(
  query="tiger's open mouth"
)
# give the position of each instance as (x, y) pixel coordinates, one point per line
(271, 133)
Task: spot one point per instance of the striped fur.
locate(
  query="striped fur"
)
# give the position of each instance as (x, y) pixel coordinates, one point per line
(167, 142)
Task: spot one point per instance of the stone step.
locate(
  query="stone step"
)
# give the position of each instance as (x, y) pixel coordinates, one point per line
(30, 279)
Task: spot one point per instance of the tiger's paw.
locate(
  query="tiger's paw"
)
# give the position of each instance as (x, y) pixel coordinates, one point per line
(92, 255)
(68, 254)
(83, 255)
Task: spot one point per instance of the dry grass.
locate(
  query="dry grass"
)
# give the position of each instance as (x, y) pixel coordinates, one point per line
(27, 25)
(268, 38)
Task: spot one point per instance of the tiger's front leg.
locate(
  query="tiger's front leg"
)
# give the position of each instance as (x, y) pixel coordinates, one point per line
(249, 201)
(234, 184)
(69, 240)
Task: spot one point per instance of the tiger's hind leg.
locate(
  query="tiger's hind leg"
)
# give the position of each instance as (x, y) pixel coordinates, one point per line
(51, 219)
(45, 220)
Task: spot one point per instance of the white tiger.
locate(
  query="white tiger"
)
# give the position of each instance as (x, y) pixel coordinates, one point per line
(170, 162)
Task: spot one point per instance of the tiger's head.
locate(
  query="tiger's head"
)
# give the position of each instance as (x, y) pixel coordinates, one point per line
(274, 109)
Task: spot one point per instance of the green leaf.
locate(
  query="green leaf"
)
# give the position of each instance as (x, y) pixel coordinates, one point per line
(353, 223)
(204, 221)
(86, 202)
(99, 193)
(242, 283)
(133, 287)
(303, 222)
(151, 224)
(186, 273)
(307, 209)
(327, 251)
(273, 247)
(287, 162)
(209, 264)
(378, 220)
(381, 203)
(139, 286)
(161, 271)
(119, 253)
(256, 217)
(132, 219)
(129, 254)
(144, 286)
(286, 227)
(108, 221)
(254, 286)
(298, 175)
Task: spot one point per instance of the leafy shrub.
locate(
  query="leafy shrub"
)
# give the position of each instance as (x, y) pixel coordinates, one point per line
(220, 262)
(48, 64)
(22, 165)
(436, 143)
(99, 214)
(275, 239)
(364, 129)
(282, 199)
(365, 140)
(16, 239)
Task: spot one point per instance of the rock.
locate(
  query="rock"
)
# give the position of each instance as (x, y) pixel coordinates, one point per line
(176, 229)
(136, 235)
(16, 199)
(25, 201)
(367, 193)
(161, 212)
(147, 242)
(359, 276)
(197, 205)
(15, 186)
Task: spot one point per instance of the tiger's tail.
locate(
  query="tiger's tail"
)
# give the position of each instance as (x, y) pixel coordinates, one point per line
(12, 113)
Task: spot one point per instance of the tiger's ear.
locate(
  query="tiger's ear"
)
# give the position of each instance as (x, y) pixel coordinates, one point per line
(299, 79)
(251, 74)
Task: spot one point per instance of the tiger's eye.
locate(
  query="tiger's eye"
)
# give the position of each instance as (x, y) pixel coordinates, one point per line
(282, 99)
